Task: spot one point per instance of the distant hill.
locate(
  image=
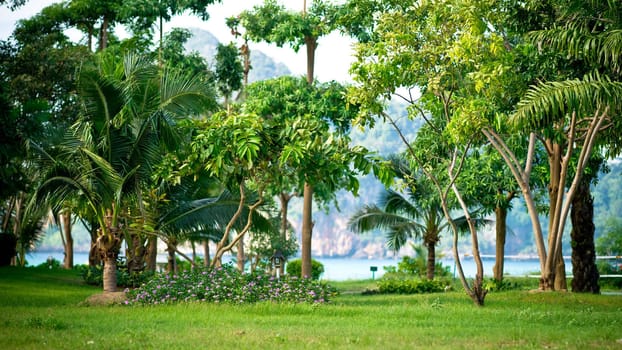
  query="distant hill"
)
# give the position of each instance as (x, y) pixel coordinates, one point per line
(262, 66)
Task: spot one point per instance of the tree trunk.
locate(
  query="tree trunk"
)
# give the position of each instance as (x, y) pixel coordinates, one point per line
(584, 271)
(66, 222)
(136, 254)
(552, 281)
(151, 258)
(307, 231)
(560, 273)
(241, 258)
(172, 263)
(110, 273)
(103, 34)
(311, 44)
(206, 258)
(431, 262)
(501, 214)
(284, 198)
(95, 255)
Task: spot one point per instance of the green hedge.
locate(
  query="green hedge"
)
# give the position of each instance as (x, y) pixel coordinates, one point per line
(294, 268)
(411, 285)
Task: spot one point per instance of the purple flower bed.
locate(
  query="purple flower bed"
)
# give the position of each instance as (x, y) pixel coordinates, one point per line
(227, 285)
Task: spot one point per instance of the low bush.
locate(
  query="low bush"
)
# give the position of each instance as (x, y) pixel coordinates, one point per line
(405, 284)
(610, 268)
(50, 263)
(227, 285)
(294, 268)
(94, 275)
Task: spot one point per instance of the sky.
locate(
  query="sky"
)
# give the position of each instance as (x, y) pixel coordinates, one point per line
(333, 55)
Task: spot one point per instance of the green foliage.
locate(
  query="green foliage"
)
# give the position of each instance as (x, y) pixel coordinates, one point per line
(227, 285)
(229, 70)
(93, 275)
(609, 267)
(610, 242)
(493, 285)
(393, 284)
(49, 264)
(294, 268)
(273, 23)
(416, 266)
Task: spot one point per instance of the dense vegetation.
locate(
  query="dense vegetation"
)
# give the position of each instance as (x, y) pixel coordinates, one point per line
(147, 143)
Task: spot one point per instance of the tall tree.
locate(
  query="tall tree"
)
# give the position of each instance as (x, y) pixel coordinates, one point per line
(413, 54)
(576, 114)
(274, 24)
(314, 121)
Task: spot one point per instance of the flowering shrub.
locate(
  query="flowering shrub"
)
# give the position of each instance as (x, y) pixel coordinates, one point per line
(227, 285)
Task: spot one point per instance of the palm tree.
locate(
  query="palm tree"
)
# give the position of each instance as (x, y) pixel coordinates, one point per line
(402, 217)
(129, 112)
(417, 213)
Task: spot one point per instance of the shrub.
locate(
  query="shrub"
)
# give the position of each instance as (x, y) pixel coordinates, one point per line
(94, 275)
(294, 268)
(417, 266)
(50, 263)
(610, 268)
(227, 285)
(394, 284)
(493, 285)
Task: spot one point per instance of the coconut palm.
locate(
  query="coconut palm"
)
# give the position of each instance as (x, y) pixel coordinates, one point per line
(129, 112)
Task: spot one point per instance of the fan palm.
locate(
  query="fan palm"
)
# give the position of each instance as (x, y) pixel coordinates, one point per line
(127, 121)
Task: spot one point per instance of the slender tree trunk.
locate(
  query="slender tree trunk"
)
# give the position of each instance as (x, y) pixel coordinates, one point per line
(241, 258)
(307, 231)
(172, 263)
(311, 44)
(431, 262)
(103, 34)
(501, 214)
(284, 198)
(584, 271)
(66, 222)
(206, 261)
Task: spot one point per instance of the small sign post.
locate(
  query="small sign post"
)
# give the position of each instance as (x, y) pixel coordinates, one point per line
(373, 270)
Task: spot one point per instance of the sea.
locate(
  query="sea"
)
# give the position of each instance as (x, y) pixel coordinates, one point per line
(342, 269)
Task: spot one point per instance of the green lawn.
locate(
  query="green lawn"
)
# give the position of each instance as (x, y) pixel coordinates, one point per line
(42, 309)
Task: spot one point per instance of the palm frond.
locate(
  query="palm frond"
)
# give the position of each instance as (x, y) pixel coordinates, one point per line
(548, 102)
(183, 95)
(394, 202)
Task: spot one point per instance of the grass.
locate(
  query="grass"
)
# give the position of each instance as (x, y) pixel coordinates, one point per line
(41, 309)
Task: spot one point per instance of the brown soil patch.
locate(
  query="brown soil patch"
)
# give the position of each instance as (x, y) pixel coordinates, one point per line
(105, 298)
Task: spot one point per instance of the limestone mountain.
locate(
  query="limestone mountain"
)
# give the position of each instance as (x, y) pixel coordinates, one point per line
(262, 66)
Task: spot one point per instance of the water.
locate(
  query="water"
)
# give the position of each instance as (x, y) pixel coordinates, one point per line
(340, 269)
